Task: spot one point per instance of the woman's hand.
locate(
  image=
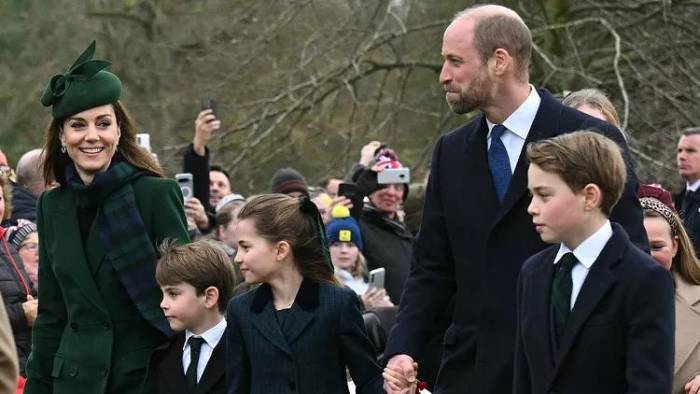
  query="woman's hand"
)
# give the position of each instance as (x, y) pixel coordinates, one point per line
(376, 298)
(30, 308)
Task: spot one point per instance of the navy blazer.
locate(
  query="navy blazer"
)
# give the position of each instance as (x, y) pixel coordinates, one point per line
(471, 247)
(166, 375)
(620, 333)
(323, 333)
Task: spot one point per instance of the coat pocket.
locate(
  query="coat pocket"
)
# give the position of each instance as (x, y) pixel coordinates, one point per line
(62, 368)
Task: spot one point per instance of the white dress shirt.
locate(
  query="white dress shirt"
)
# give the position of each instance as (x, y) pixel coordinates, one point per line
(692, 186)
(211, 338)
(518, 125)
(586, 254)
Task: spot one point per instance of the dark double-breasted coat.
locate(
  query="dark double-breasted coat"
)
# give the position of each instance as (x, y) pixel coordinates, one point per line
(323, 333)
(471, 247)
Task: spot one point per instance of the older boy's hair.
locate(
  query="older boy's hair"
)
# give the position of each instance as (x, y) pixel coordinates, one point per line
(201, 264)
(580, 158)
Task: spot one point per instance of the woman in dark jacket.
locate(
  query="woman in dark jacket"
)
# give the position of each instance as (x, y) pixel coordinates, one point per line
(99, 318)
(17, 290)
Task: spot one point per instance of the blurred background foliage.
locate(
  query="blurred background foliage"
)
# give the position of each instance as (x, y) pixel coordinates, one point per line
(306, 83)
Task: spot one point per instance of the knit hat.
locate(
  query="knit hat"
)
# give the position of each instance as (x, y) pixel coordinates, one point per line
(20, 234)
(83, 86)
(288, 180)
(343, 228)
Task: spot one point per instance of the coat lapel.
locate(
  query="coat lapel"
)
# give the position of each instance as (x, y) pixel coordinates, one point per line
(171, 366)
(74, 259)
(597, 283)
(540, 300)
(264, 320)
(303, 311)
(687, 320)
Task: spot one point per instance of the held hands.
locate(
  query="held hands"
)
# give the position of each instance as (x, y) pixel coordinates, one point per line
(194, 210)
(204, 126)
(400, 375)
(30, 309)
(693, 387)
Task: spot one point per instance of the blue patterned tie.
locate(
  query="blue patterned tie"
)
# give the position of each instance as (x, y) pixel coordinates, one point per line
(499, 163)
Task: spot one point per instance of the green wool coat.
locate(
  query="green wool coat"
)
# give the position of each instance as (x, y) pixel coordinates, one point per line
(88, 336)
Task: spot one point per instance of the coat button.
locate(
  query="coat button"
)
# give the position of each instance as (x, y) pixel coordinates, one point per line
(292, 386)
(104, 373)
(74, 326)
(73, 372)
(107, 325)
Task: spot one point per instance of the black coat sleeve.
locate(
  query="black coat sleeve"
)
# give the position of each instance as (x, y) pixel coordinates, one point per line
(357, 349)
(431, 282)
(651, 331)
(198, 166)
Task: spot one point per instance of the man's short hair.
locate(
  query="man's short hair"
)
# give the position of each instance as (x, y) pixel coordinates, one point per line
(581, 158)
(691, 131)
(502, 30)
(221, 170)
(201, 264)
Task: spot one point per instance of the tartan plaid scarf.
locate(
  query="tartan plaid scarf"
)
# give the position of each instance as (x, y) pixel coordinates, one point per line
(124, 237)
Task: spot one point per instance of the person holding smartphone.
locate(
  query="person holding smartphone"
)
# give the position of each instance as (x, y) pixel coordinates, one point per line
(387, 241)
(345, 244)
(210, 182)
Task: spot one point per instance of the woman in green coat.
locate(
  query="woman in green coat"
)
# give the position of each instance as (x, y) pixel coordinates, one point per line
(99, 317)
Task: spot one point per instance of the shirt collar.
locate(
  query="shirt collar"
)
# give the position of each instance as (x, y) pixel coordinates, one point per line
(520, 121)
(211, 336)
(692, 186)
(589, 250)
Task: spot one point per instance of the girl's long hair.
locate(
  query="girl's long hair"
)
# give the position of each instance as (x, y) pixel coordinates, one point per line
(278, 217)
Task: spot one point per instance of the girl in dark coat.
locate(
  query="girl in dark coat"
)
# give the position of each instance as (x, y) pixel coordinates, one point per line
(298, 330)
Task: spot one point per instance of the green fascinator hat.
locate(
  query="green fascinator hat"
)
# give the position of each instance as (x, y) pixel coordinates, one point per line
(85, 85)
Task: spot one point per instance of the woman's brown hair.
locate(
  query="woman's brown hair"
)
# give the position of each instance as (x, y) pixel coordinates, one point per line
(7, 196)
(54, 161)
(684, 262)
(279, 217)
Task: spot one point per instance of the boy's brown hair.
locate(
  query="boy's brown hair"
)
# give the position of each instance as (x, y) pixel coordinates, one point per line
(201, 264)
(580, 158)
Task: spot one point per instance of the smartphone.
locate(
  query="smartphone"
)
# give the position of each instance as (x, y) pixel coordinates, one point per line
(350, 191)
(144, 140)
(184, 180)
(394, 175)
(376, 278)
(210, 103)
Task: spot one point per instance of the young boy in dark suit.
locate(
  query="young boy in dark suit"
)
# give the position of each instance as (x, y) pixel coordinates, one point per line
(197, 281)
(595, 313)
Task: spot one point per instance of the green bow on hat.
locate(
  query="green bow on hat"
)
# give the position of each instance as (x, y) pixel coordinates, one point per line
(85, 85)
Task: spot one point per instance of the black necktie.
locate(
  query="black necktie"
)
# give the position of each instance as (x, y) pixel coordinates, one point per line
(561, 293)
(687, 199)
(191, 374)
